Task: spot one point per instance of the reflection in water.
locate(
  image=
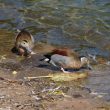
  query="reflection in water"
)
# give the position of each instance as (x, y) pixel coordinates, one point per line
(80, 24)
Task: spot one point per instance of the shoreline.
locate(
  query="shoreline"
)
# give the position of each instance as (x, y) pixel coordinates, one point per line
(42, 93)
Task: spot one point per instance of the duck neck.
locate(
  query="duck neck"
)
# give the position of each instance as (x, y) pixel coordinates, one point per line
(84, 61)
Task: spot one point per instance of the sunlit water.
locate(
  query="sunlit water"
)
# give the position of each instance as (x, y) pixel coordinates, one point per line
(83, 25)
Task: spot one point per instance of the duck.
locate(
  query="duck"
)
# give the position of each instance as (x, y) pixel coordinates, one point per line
(24, 43)
(64, 59)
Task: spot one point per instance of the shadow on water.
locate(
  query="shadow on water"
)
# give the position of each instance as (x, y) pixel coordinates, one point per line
(83, 25)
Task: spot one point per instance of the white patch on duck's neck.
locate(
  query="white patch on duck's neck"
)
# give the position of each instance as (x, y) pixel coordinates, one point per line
(46, 59)
(84, 60)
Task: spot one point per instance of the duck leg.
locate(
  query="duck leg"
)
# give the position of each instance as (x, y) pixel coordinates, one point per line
(62, 69)
(53, 63)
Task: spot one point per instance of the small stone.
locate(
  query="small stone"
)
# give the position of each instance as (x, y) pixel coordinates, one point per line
(14, 72)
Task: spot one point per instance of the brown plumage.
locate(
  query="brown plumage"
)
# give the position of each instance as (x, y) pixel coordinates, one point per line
(62, 52)
(24, 43)
(24, 35)
(65, 58)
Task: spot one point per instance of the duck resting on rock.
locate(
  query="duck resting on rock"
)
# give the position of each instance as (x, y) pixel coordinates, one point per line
(64, 59)
(24, 43)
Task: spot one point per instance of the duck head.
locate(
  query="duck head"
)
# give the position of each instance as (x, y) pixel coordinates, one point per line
(85, 61)
(24, 48)
(46, 60)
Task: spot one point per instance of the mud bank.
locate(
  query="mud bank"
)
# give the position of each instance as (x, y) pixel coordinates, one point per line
(17, 93)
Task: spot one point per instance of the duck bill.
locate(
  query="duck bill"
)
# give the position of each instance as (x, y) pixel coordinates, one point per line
(29, 51)
(44, 59)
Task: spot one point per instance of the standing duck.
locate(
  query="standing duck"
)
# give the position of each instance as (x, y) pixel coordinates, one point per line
(24, 43)
(63, 59)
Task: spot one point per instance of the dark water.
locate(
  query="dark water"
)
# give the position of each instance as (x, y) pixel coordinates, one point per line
(74, 23)
(80, 24)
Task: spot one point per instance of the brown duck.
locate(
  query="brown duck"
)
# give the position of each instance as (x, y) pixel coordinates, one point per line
(24, 43)
(65, 58)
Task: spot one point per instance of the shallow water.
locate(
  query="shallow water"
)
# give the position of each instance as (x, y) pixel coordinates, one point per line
(83, 25)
